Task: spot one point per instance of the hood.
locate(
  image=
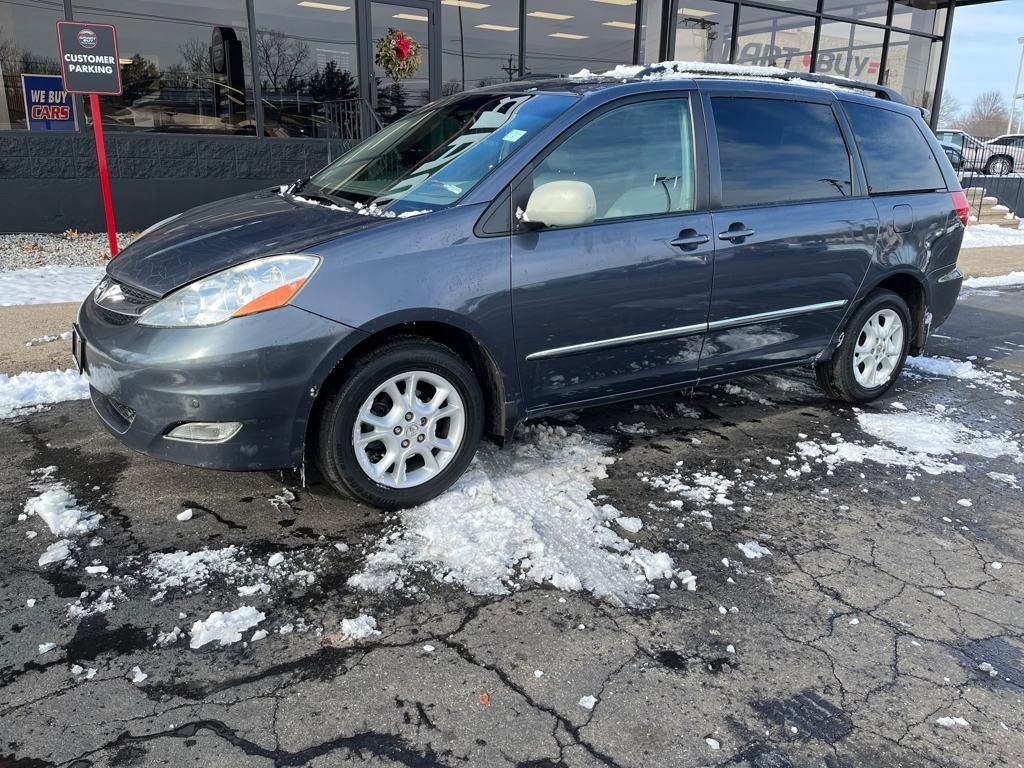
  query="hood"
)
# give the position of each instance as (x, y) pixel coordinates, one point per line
(220, 235)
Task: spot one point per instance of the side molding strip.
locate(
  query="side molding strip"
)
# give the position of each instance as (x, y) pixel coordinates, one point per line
(686, 330)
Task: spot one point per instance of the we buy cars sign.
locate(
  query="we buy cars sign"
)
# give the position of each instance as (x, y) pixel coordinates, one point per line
(88, 58)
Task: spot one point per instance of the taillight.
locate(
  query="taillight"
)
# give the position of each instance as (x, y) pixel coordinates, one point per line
(961, 206)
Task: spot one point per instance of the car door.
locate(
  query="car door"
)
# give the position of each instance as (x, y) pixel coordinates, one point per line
(795, 232)
(619, 304)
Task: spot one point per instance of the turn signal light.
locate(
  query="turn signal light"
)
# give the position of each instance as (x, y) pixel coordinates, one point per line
(271, 300)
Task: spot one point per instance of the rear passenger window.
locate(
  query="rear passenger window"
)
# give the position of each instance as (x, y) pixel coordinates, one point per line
(777, 151)
(896, 154)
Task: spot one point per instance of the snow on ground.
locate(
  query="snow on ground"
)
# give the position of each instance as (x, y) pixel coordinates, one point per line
(225, 628)
(27, 391)
(359, 628)
(919, 441)
(998, 281)
(990, 235)
(47, 285)
(193, 571)
(520, 514)
(965, 370)
(59, 509)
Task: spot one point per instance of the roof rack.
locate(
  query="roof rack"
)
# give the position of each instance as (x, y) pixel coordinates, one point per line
(881, 91)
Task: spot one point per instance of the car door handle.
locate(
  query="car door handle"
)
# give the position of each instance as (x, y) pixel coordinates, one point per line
(736, 233)
(689, 239)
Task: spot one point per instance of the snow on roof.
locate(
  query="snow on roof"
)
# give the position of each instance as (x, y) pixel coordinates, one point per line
(679, 70)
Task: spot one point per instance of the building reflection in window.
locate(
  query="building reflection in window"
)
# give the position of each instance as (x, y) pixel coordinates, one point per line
(184, 66)
(28, 46)
(703, 31)
(308, 63)
(480, 43)
(579, 34)
(912, 67)
(770, 38)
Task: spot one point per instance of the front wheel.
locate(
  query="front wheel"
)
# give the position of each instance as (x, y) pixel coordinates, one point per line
(874, 348)
(402, 426)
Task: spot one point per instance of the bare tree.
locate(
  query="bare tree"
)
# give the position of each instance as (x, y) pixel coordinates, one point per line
(949, 111)
(195, 54)
(284, 61)
(987, 116)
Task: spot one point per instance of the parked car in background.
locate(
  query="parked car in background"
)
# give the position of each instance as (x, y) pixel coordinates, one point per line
(954, 154)
(998, 157)
(527, 249)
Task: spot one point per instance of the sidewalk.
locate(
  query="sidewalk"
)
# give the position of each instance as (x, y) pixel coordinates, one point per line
(19, 325)
(987, 262)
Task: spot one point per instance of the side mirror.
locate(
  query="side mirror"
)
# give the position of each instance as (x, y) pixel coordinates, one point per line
(562, 204)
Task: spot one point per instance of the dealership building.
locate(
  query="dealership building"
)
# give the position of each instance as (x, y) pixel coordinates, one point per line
(223, 96)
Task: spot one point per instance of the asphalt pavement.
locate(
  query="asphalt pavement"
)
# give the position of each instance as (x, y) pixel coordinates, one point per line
(878, 621)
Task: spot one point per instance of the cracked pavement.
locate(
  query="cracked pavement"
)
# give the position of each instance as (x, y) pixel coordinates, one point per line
(874, 616)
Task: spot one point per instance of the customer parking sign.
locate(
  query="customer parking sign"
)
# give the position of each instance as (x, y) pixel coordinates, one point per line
(48, 107)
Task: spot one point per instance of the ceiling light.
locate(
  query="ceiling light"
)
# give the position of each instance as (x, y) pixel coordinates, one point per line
(620, 24)
(548, 15)
(466, 4)
(568, 36)
(695, 13)
(410, 17)
(324, 6)
(497, 27)
(616, 2)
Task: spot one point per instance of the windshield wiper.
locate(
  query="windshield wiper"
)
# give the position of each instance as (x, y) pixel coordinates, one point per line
(322, 197)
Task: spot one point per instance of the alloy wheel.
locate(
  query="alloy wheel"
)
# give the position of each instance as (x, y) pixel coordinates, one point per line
(878, 349)
(409, 429)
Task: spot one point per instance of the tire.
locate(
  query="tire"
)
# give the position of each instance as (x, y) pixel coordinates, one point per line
(999, 166)
(859, 371)
(363, 395)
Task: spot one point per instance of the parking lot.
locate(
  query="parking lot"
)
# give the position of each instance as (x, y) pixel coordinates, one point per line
(752, 576)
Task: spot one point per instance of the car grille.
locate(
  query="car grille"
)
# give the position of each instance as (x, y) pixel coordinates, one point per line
(126, 413)
(117, 415)
(120, 304)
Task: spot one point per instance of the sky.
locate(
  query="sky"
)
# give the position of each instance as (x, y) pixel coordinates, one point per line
(983, 51)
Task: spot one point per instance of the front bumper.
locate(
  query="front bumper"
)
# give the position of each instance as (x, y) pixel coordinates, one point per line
(262, 370)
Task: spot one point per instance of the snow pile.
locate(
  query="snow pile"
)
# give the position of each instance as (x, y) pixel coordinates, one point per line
(524, 513)
(48, 285)
(225, 628)
(359, 628)
(680, 69)
(31, 390)
(56, 552)
(997, 281)
(59, 509)
(193, 571)
(753, 550)
(914, 440)
(700, 488)
(105, 602)
(964, 370)
(991, 235)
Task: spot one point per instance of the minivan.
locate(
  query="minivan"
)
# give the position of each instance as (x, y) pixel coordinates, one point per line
(523, 250)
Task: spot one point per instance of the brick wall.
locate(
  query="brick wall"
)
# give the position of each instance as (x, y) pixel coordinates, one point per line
(49, 181)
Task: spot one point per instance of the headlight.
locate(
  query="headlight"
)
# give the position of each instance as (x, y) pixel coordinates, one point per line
(255, 286)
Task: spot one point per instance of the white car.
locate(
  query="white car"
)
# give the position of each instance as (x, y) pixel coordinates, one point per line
(999, 157)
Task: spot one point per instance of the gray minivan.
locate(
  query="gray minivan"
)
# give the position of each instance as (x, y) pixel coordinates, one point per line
(526, 249)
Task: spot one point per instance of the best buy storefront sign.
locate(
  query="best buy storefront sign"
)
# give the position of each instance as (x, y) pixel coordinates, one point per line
(88, 58)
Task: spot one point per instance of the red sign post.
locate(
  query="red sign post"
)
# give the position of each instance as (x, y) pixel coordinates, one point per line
(90, 65)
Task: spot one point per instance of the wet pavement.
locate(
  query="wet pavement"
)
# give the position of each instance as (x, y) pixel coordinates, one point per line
(873, 615)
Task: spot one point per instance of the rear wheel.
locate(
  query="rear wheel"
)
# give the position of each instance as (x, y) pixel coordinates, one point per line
(999, 166)
(874, 348)
(403, 426)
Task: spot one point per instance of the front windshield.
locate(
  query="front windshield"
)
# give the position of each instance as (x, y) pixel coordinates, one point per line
(433, 157)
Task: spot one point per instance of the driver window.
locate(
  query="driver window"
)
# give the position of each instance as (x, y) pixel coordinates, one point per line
(637, 158)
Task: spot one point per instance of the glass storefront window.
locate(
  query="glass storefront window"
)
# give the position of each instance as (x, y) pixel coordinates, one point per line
(767, 38)
(912, 67)
(308, 67)
(395, 99)
(28, 46)
(185, 66)
(875, 11)
(850, 50)
(565, 36)
(480, 43)
(703, 31)
(925, 16)
(651, 33)
(793, 5)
